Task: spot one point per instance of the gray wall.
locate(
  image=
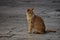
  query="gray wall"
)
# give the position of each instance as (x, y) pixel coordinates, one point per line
(29, 2)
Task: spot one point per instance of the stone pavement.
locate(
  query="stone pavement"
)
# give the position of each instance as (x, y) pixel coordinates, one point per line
(13, 24)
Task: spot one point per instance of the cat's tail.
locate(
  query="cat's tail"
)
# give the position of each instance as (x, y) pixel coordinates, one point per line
(50, 30)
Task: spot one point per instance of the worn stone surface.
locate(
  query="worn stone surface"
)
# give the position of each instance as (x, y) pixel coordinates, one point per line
(13, 24)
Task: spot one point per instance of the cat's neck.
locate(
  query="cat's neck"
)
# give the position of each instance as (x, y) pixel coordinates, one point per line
(30, 15)
(33, 15)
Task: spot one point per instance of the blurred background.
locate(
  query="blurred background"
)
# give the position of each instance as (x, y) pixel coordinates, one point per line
(27, 2)
(5, 4)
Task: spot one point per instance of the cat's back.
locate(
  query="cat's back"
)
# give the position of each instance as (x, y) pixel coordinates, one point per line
(38, 19)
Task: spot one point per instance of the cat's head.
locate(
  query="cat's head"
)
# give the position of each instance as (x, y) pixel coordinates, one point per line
(30, 10)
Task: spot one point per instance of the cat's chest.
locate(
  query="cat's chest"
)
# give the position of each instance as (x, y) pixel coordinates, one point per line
(29, 17)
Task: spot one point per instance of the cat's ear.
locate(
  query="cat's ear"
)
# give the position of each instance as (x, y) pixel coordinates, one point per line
(28, 10)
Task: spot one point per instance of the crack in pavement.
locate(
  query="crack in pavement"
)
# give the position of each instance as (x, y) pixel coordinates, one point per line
(7, 35)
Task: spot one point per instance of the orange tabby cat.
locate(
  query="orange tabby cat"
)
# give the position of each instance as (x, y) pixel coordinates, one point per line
(35, 22)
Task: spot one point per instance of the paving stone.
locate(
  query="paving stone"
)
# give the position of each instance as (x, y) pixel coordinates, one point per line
(4, 32)
(15, 28)
(6, 35)
(4, 38)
